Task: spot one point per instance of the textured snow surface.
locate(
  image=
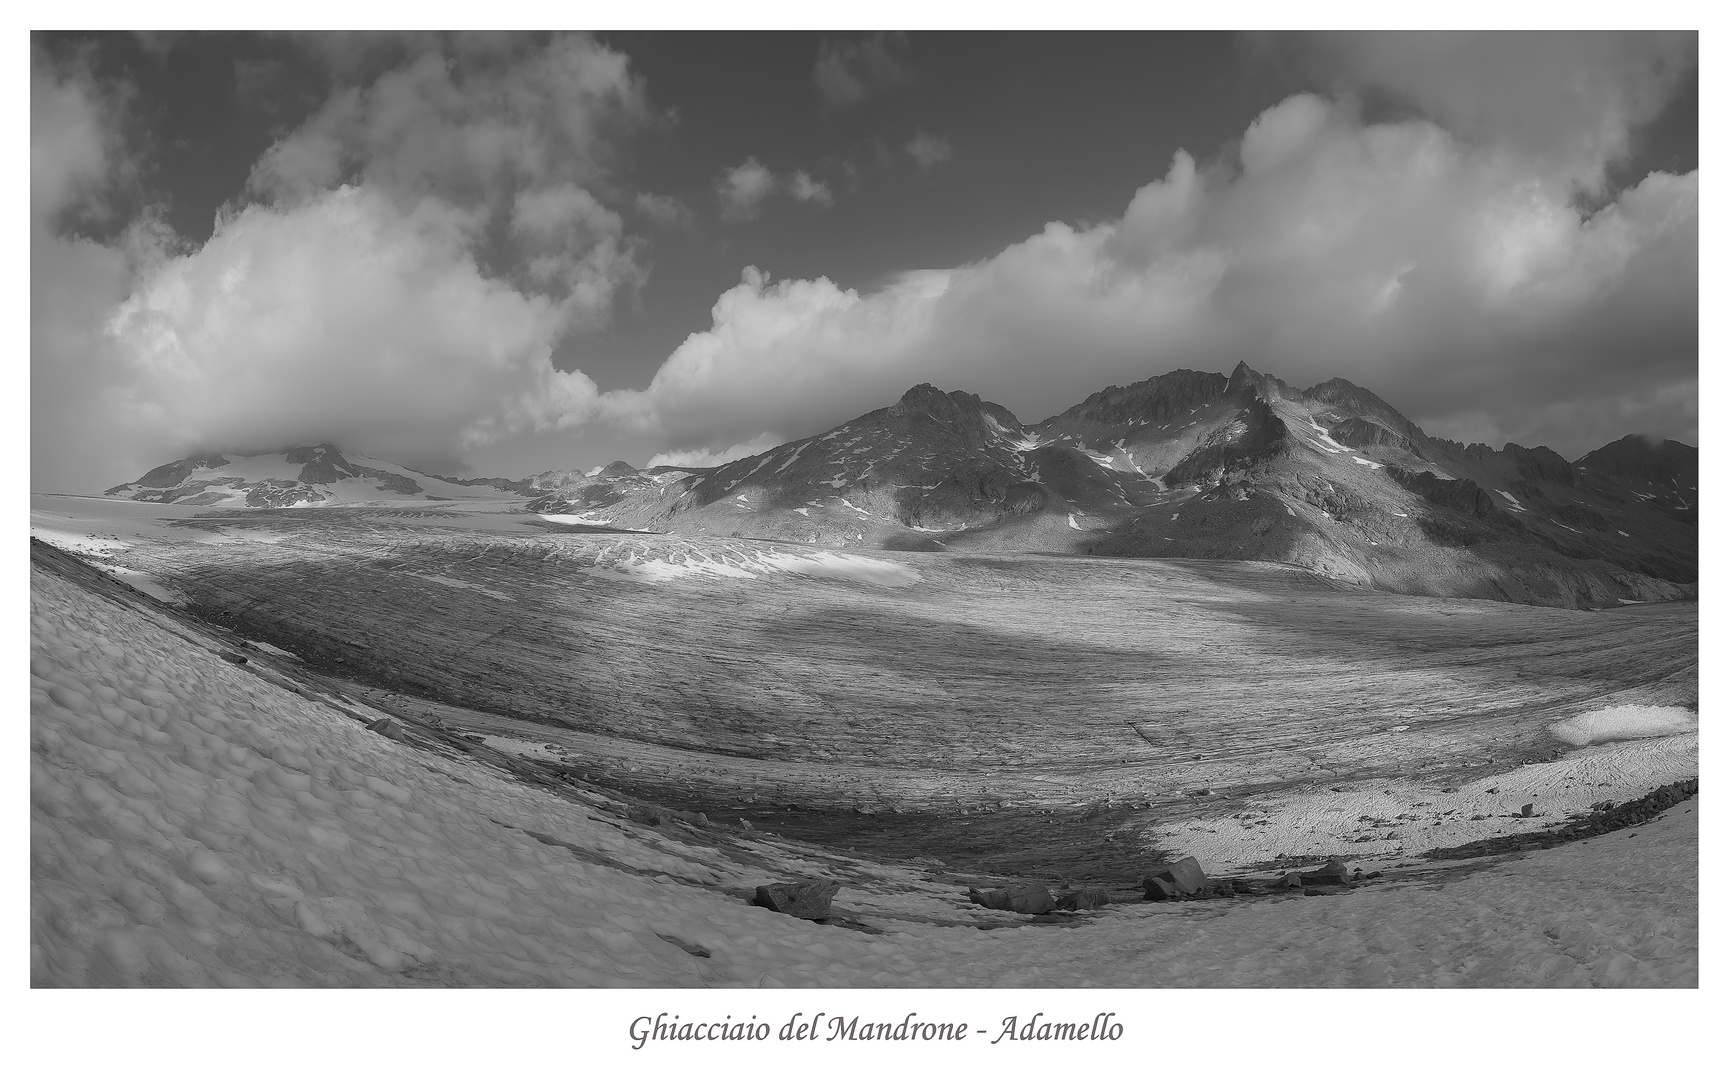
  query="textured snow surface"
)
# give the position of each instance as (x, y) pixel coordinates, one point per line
(193, 824)
(1625, 722)
(757, 563)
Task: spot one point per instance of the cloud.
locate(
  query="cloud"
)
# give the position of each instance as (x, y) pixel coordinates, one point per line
(436, 126)
(157, 44)
(410, 260)
(347, 319)
(930, 150)
(847, 72)
(806, 189)
(704, 458)
(663, 210)
(742, 189)
(1567, 99)
(78, 422)
(76, 156)
(573, 248)
(1453, 277)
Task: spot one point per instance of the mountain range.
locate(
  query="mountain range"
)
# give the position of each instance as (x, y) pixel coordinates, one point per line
(1188, 464)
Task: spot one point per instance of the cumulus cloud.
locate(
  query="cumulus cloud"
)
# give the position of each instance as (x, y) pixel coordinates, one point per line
(436, 126)
(929, 150)
(408, 262)
(574, 248)
(847, 72)
(1450, 275)
(343, 318)
(805, 188)
(742, 189)
(703, 457)
(663, 210)
(1567, 99)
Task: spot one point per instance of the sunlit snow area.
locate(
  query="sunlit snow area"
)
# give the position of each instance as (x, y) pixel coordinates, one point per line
(1619, 722)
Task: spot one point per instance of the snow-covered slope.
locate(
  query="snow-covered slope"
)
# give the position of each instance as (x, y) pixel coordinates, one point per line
(195, 822)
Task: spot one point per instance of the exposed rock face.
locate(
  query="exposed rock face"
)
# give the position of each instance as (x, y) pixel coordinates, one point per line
(1636, 457)
(1025, 899)
(1541, 464)
(396, 482)
(1461, 495)
(173, 474)
(808, 899)
(1246, 384)
(1359, 431)
(1158, 400)
(1349, 399)
(1255, 436)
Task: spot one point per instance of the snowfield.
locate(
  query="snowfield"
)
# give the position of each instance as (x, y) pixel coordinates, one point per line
(194, 823)
(754, 564)
(1625, 722)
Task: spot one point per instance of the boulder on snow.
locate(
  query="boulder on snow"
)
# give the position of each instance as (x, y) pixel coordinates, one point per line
(1185, 874)
(806, 899)
(387, 727)
(1025, 899)
(1333, 872)
(1160, 889)
(1083, 900)
(1528, 810)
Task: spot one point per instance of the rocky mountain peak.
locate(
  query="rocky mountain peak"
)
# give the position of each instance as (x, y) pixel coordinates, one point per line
(927, 398)
(301, 455)
(1246, 382)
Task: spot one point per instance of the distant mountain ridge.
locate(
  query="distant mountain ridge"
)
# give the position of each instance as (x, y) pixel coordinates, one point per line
(1187, 464)
(317, 475)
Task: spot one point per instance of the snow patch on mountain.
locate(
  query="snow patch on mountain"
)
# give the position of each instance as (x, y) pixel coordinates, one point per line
(1325, 440)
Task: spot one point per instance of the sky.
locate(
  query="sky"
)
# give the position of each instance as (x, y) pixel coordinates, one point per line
(486, 254)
